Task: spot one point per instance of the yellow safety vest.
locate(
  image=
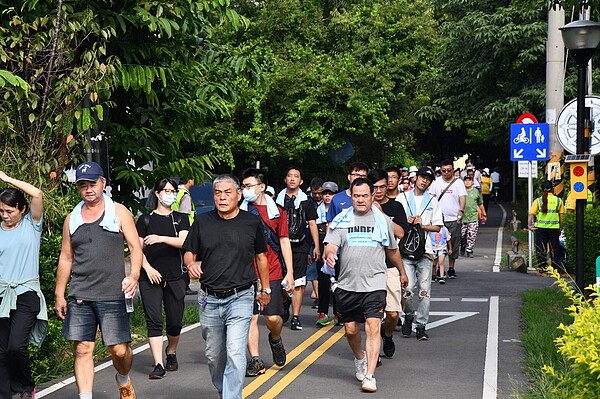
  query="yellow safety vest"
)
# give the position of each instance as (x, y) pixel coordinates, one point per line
(180, 193)
(550, 220)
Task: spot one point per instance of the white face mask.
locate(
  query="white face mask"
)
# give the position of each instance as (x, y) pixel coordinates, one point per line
(249, 195)
(168, 199)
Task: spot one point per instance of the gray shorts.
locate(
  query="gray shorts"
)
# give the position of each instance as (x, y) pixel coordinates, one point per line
(83, 320)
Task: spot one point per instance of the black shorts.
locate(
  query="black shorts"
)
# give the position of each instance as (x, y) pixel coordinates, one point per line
(275, 306)
(300, 260)
(359, 306)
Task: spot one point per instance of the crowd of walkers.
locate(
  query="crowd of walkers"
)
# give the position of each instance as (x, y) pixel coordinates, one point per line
(254, 255)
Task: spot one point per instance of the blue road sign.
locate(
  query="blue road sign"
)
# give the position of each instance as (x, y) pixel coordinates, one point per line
(529, 142)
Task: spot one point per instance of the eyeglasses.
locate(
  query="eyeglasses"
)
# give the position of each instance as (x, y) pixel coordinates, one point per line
(380, 188)
(357, 175)
(447, 170)
(250, 185)
(168, 191)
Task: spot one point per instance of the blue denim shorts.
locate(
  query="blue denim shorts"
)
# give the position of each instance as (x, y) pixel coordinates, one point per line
(84, 318)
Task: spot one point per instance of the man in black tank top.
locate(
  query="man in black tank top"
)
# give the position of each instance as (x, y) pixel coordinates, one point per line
(92, 251)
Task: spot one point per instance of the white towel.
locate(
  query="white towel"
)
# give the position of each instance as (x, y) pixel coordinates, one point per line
(299, 198)
(345, 219)
(272, 209)
(109, 221)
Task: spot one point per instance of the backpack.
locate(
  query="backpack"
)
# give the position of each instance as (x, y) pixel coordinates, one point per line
(412, 245)
(297, 224)
(271, 236)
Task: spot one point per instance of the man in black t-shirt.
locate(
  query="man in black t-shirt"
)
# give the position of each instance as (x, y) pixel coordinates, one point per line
(395, 211)
(293, 199)
(222, 247)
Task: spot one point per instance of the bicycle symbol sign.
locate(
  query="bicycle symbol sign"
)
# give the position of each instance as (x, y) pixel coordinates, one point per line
(529, 142)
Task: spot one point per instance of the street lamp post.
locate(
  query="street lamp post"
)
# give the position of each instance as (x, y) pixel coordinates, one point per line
(581, 38)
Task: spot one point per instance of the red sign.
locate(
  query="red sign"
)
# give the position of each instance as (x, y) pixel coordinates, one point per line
(526, 117)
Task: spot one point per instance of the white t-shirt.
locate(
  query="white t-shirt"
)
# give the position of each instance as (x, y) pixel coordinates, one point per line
(495, 177)
(450, 203)
(431, 217)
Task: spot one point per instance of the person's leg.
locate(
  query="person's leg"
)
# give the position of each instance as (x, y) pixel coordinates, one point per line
(22, 320)
(393, 303)
(472, 228)
(5, 391)
(424, 287)
(441, 262)
(324, 287)
(455, 231)
(152, 300)
(84, 365)
(300, 263)
(174, 305)
(212, 328)
(463, 238)
(354, 339)
(541, 244)
(238, 313)
(372, 343)
(253, 336)
(274, 325)
(122, 357)
(486, 201)
(408, 293)
(553, 237)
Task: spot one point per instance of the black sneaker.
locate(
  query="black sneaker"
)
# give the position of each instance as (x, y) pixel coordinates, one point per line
(255, 367)
(278, 351)
(286, 311)
(172, 364)
(421, 334)
(407, 326)
(451, 273)
(295, 324)
(389, 347)
(157, 373)
(470, 254)
(315, 304)
(442, 280)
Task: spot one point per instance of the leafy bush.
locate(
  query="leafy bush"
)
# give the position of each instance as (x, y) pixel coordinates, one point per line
(579, 345)
(590, 248)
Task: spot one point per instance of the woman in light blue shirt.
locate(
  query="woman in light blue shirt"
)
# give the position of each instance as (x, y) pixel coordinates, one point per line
(23, 313)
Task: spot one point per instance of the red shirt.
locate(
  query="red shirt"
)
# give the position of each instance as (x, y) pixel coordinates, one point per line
(280, 227)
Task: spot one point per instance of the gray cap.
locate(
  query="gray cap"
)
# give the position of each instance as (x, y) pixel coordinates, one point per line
(330, 186)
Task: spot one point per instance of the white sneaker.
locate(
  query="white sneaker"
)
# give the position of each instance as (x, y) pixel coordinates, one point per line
(369, 384)
(361, 367)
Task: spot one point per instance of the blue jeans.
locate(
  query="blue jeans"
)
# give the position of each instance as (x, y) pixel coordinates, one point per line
(419, 283)
(224, 326)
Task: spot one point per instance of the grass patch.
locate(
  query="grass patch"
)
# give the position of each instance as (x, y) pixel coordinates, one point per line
(543, 311)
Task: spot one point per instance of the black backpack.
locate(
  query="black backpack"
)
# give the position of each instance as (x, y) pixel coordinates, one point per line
(412, 245)
(297, 223)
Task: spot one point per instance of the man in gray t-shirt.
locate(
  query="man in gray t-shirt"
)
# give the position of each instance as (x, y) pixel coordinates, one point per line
(364, 236)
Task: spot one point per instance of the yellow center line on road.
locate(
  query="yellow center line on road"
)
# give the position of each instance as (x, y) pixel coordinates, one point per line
(304, 364)
(258, 381)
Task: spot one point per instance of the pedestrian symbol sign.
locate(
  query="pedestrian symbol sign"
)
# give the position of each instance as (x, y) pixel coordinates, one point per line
(529, 142)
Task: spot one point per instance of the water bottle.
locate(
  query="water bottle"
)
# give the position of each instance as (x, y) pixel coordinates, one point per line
(334, 283)
(285, 286)
(129, 302)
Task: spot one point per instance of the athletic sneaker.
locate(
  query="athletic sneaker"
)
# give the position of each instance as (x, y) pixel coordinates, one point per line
(27, 395)
(278, 351)
(421, 334)
(315, 304)
(470, 254)
(126, 391)
(255, 367)
(451, 273)
(172, 364)
(407, 326)
(442, 280)
(322, 320)
(369, 384)
(338, 320)
(361, 367)
(157, 373)
(389, 347)
(295, 323)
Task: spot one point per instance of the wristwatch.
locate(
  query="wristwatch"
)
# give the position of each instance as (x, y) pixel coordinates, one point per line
(266, 291)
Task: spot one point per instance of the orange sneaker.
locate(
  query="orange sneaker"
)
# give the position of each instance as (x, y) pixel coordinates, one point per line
(126, 391)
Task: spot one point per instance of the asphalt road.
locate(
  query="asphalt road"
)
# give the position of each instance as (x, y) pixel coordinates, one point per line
(474, 350)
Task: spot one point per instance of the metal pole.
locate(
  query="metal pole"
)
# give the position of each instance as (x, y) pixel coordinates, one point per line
(530, 201)
(580, 203)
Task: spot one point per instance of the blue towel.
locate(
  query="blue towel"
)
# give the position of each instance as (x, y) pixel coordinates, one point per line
(272, 209)
(299, 198)
(380, 232)
(321, 214)
(109, 221)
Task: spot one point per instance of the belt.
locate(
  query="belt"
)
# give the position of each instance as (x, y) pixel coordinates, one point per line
(226, 293)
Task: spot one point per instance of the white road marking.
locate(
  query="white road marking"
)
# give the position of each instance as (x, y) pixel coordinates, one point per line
(453, 316)
(498, 258)
(474, 299)
(490, 375)
(439, 300)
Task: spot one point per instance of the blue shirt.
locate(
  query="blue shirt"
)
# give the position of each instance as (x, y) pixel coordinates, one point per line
(20, 252)
(339, 202)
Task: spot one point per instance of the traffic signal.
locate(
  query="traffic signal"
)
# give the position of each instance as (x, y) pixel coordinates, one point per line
(579, 180)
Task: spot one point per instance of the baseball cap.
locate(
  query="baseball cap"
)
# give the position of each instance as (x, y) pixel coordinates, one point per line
(547, 185)
(413, 169)
(405, 168)
(425, 172)
(88, 171)
(270, 190)
(330, 186)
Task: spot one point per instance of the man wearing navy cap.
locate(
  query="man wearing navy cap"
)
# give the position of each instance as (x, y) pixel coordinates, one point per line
(92, 257)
